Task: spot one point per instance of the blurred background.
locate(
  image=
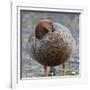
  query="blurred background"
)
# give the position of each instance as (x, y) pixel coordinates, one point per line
(30, 67)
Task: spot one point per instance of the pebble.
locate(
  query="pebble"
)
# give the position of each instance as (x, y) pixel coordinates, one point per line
(73, 73)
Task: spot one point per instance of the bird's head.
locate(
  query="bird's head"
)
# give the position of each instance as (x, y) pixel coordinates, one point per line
(43, 27)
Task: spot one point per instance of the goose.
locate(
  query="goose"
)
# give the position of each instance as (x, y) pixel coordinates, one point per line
(52, 44)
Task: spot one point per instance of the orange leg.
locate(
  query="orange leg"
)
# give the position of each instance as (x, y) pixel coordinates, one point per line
(46, 72)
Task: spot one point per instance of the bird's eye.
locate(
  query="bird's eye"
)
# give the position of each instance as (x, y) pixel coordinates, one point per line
(45, 30)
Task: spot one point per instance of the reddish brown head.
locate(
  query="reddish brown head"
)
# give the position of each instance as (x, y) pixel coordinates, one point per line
(43, 27)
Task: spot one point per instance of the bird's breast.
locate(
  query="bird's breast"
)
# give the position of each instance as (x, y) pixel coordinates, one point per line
(52, 50)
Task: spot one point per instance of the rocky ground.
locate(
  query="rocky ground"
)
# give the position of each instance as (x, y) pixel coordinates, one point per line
(31, 68)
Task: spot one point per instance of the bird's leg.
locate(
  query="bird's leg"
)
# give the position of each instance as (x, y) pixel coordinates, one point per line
(46, 72)
(64, 69)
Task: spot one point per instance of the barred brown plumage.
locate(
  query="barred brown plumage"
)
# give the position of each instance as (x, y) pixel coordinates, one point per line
(52, 44)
